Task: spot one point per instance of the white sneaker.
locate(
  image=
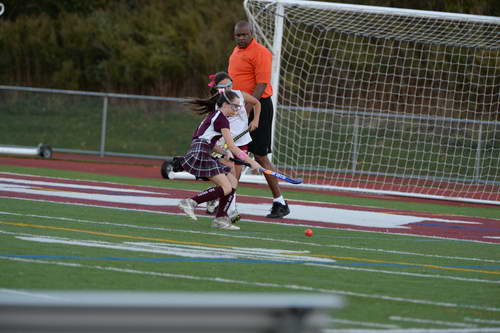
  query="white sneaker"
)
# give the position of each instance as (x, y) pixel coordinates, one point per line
(212, 206)
(234, 216)
(223, 223)
(188, 206)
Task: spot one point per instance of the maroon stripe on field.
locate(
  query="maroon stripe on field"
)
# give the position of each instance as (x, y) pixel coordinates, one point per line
(147, 168)
(425, 227)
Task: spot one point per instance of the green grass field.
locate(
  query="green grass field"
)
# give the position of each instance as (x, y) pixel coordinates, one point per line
(388, 281)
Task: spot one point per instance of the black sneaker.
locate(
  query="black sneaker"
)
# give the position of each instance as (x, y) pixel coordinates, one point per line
(278, 210)
(235, 218)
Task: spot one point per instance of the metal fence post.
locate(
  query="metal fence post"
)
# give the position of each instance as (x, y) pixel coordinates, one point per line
(103, 125)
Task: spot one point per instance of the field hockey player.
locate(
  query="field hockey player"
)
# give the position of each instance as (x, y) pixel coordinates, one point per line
(239, 128)
(199, 160)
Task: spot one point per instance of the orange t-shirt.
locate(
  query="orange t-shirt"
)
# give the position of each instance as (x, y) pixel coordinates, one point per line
(250, 66)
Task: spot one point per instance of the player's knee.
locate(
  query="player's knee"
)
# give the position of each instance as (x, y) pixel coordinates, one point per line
(227, 188)
(233, 181)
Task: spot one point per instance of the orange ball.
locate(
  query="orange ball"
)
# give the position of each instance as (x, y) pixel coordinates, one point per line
(308, 232)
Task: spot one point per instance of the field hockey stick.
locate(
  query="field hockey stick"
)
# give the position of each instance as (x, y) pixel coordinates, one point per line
(240, 162)
(281, 176)
(270, 172)
(238, 136)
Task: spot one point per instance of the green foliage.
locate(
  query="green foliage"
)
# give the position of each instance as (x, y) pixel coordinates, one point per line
(147, 47)
(152, 47)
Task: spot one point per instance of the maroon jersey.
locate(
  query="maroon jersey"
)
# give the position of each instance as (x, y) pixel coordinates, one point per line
(211, 127)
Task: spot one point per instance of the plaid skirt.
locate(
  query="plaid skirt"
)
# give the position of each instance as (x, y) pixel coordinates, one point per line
(199, 162)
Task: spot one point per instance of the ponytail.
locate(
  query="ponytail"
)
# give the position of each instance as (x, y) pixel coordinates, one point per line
(208, 105)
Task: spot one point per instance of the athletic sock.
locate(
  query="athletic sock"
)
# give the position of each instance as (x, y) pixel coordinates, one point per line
(224, 203)
(280, 199)
(232, 206)
(212, 193)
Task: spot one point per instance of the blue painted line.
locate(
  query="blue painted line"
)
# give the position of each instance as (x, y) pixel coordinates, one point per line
(232, 260)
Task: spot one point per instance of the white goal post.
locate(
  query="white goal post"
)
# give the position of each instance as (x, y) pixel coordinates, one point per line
(384, 100)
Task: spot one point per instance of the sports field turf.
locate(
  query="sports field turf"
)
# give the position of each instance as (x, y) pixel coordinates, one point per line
(388, 280)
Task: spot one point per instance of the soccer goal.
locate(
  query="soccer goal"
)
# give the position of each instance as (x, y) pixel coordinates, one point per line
(384, 100)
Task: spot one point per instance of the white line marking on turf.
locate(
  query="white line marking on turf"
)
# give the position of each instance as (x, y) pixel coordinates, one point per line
(259, 221)
(248, 237)
(28, 294)
(190, 251)
(9, 181)
(210, 252)
(482, 321)
(302, 212)
(144, 200)
(421, 275)
(433, 322)
(360, 323)
(417, 330)
(262, 284)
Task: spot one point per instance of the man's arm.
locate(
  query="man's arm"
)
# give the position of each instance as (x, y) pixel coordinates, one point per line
(259, 90)
(252, 104)
(257, 93)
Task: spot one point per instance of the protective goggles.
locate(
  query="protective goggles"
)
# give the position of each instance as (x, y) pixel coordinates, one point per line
(227, 85)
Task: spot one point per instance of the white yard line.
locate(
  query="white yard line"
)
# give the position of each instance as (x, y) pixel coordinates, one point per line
(360, 323)
(262, 284)
(301, 212)
(418, 330)
(233, 252)
(29, 294)
(249, 237)
(420, 275)
(259, 221)
(432, 322)
(75, 186)
(483, 321)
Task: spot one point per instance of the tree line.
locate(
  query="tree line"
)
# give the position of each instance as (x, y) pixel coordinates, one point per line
(152, 47)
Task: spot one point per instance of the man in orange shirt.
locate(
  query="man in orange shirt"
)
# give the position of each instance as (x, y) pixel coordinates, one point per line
(250, 67)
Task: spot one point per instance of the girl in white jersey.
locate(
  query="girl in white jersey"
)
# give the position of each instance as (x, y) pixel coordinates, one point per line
(238, 124)
(199, 162)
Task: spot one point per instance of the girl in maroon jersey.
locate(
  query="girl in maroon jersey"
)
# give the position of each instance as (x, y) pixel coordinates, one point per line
(199, 162)
(238, 124)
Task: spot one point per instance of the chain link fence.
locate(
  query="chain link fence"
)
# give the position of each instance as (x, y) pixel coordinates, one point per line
(96, 123)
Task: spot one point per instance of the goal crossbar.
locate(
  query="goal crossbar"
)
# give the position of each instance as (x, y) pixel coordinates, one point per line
(385, 10)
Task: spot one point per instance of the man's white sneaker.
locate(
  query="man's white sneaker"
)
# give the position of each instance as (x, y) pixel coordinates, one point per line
(212, 206)
(223, 223)
(188, 206)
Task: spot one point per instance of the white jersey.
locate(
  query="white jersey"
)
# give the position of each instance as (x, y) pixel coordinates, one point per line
(239, 122)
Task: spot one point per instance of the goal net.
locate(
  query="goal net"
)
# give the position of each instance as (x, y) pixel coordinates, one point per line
(382, 99)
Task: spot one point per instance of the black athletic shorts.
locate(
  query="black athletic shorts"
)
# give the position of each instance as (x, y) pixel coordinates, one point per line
(261, 137)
